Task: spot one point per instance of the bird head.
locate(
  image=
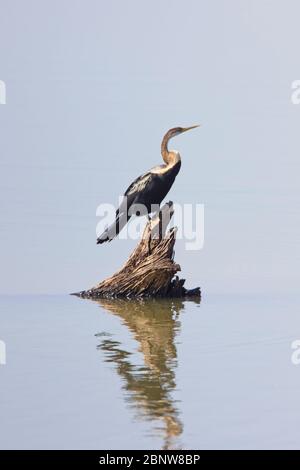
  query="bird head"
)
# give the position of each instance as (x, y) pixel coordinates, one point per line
(176, 131)
(169, 135)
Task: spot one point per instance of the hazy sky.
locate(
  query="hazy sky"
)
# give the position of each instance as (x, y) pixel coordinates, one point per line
(91, 88)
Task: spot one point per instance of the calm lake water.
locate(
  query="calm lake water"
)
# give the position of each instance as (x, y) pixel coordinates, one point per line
(152, 374)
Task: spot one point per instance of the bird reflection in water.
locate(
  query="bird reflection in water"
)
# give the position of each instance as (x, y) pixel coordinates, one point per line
(150, 385)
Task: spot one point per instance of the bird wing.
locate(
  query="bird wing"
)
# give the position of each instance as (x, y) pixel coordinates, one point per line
(139, 184)
(134, 193)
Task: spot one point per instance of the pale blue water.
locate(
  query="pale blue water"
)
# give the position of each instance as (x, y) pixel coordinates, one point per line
(153, 374)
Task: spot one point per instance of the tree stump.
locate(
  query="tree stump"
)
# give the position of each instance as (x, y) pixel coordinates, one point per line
(150, 269)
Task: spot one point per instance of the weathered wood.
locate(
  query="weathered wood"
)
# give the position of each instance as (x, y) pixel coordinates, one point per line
(150, 269)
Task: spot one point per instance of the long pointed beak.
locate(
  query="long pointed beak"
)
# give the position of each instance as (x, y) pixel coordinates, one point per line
(189, 128)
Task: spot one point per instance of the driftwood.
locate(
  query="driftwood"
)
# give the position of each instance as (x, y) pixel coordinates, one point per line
(150, 270)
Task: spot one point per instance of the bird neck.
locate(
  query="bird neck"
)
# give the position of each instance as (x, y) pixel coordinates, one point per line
(170, 157)
(164, 149)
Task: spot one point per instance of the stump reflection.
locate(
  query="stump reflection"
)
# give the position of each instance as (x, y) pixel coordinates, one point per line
(150, 384)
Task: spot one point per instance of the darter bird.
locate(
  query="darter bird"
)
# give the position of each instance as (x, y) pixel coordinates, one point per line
(148, 189)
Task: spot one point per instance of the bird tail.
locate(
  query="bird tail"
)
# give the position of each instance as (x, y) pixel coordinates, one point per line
(114, 229)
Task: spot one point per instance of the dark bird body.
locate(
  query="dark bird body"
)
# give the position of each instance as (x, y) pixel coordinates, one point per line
(149, 189)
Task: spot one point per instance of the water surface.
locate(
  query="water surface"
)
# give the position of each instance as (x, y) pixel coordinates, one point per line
(149, 374)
